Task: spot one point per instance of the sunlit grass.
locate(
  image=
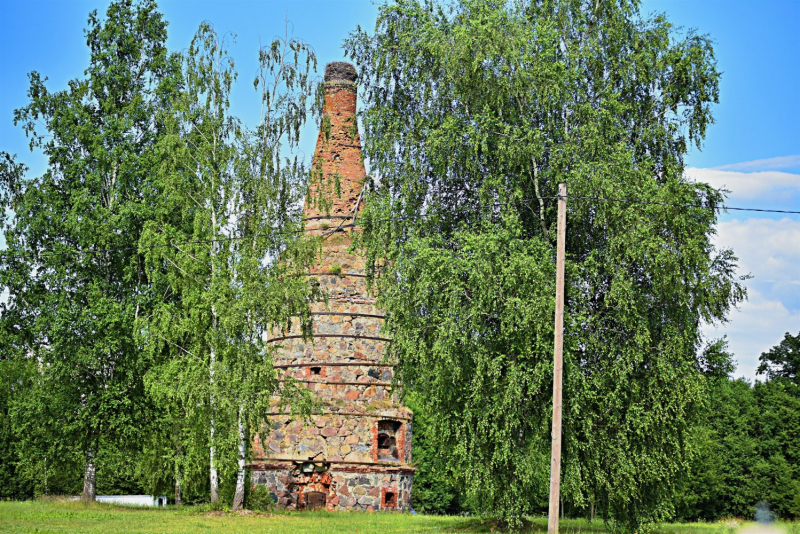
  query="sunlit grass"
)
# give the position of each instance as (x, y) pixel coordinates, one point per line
(72, 516)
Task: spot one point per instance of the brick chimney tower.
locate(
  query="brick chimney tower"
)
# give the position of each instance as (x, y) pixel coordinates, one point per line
(354, 454)
(338, 174)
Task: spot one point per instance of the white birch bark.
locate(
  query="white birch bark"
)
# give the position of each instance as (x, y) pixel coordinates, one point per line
(238, 497)
(178, 483)
(214, 477)
(89, 478)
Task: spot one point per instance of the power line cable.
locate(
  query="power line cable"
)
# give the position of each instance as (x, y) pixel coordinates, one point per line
(721, 207)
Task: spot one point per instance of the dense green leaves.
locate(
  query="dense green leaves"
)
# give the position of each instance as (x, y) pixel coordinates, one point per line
(74, 276)
(782, 360)
(473, 330)
(225, 253)
(474, 112)
(136, 363)
(436, 491)
(746, 453)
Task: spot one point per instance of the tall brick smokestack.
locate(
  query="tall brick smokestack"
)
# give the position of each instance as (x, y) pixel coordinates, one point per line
(338, 153)
(355, 452)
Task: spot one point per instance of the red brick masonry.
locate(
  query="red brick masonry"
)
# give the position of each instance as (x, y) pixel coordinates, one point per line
(344, 365)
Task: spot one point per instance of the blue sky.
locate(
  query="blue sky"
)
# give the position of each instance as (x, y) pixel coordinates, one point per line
(753, 149)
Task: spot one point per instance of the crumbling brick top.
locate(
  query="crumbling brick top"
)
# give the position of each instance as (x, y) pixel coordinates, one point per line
(340, 71)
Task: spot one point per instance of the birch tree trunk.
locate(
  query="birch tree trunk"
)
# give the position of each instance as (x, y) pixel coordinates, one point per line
(212, 429)
(213, 469)
(178, 492)
(214, 324)
(178, 483)
(89, 478)
(238, 497)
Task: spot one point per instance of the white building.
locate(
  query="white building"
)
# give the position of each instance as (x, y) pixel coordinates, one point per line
(134, 500)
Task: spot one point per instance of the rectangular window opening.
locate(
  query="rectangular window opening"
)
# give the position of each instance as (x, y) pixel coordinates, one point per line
(387, 439)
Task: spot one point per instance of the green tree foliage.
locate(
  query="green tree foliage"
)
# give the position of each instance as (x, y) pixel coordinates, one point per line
(750, 444)
(778, 431)
(746, 452)
(74, 275)
(783, 360)
(16, 371)
(474, 113)
(718, 481)
(227, 255)
(435, 487)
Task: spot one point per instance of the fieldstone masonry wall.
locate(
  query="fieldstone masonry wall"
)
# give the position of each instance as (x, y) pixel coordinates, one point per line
(356, 454)
(343, 489)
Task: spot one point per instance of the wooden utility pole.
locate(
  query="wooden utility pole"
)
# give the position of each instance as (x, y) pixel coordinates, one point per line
(555, 452)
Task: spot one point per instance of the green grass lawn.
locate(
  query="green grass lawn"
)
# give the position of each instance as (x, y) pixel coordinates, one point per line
(60, 516)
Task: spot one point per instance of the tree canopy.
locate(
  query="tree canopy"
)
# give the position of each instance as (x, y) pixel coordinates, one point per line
(782, 360)
(225, 250)
(474, 111)
(147, 264)
(74, 278)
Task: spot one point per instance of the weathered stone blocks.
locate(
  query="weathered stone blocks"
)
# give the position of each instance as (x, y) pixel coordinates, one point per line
(355, 454)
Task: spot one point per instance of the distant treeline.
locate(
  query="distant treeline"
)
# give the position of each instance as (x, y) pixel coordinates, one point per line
(747, 452)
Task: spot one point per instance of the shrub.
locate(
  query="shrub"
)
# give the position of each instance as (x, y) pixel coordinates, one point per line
(259, 498)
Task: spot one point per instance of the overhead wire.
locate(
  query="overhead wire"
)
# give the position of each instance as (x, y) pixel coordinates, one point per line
(721, 207)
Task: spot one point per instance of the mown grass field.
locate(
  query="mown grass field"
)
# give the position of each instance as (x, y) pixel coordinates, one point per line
(61, 516)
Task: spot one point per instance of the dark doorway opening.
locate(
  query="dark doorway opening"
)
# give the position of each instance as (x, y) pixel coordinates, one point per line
(315, 500)
(387, 440)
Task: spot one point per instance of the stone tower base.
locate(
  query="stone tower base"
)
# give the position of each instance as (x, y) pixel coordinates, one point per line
(341, 488)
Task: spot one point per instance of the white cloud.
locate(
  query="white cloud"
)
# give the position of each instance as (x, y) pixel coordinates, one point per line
(781, 162)
(774, 188)
(757, 326)
(769, 250)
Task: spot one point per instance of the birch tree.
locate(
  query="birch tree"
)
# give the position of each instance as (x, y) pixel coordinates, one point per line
(74, 277)
(229, 254)
(474, 112)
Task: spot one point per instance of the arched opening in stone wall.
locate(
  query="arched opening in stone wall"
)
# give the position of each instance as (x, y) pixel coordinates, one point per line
(387, 439)
(311, 484)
